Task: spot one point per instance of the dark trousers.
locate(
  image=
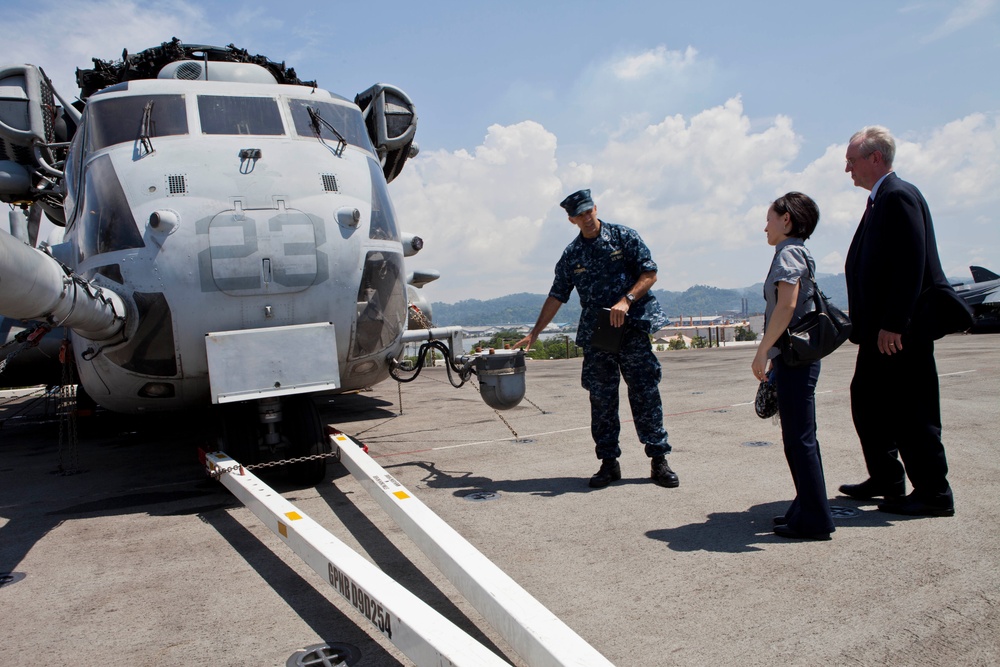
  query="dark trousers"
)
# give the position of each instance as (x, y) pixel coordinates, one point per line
(810, 510)
(896, 407)
(602, 373)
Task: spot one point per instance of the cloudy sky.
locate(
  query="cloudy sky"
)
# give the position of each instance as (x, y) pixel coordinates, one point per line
(686, 119)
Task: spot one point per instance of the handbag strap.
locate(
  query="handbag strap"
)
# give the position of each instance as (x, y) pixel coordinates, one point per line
(817, 295)
(812, 277)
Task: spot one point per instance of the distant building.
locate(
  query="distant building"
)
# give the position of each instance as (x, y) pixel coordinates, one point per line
(699, 320)
(717, 329)
(662, 340)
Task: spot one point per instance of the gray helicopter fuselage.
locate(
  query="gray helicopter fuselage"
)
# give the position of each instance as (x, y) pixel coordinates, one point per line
(214, 207)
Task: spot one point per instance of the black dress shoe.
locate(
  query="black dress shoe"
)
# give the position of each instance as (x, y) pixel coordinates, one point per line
(915, 506)
(610, 472)
(869, 489)
(783, 530)
(780, 520)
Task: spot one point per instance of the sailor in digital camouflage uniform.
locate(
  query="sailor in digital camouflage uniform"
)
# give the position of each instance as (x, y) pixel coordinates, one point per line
(611, 267)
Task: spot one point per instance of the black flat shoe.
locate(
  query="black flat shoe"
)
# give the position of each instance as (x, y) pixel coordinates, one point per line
(869, 489)
(783, 530)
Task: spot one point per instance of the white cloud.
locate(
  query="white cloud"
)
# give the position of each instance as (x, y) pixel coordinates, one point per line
(626, 91)
(832, 262)
(697, 189)
(956, 169)
(480, 212)
(967, 13)
(960, 160)
(690, 187)
(657, 60)
(693, 188)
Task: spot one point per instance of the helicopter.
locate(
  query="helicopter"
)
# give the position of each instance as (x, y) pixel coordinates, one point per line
(228, 240)
(983, 297)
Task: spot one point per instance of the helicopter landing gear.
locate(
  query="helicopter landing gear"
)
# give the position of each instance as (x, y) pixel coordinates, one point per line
(238, 434)
(266, 432)
(306, 436)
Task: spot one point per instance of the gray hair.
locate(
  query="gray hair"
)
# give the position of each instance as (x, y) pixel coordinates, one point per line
(876, 138)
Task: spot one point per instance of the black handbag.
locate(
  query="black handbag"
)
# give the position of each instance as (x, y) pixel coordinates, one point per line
(939, 312)
(817, 334)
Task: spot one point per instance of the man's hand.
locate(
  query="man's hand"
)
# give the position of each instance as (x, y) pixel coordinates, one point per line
(889, 342)
(618, 312)
(528, 340)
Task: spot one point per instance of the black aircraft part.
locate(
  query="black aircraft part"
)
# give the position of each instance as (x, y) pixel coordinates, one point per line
(147, 64)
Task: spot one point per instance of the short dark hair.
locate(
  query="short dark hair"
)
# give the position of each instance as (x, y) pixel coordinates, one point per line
(802, 212)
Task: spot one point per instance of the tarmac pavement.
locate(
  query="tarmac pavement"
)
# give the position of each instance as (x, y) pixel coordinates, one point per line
(142, 560)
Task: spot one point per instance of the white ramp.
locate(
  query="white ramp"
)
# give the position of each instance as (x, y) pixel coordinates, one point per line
(537, 635)
(421, 633)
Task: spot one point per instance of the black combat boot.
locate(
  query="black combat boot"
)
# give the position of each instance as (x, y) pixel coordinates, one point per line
(610, 472)
(662, 474)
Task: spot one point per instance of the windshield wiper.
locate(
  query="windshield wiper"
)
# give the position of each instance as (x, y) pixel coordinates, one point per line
(316, 121)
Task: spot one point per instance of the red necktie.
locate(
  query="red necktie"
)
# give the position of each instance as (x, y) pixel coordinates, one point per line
(868, 209)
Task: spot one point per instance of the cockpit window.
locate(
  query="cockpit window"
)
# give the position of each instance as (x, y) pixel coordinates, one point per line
(239, 115)
(347, 120)
(383, 221)
(120, 119)
(106, 223)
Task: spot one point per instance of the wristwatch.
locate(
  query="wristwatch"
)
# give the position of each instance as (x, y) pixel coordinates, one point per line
(630, 298)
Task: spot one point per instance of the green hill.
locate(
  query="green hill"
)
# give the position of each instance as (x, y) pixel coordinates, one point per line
(705, 300)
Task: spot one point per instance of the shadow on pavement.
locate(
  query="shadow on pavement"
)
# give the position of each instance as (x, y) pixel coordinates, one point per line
(740, 532)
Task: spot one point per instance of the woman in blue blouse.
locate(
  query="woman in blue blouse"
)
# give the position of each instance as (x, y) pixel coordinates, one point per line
(788, 291)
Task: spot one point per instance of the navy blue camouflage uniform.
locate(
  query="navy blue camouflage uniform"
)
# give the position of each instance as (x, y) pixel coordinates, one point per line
(603, 270)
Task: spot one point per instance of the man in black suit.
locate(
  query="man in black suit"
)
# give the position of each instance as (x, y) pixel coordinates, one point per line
(895, 403)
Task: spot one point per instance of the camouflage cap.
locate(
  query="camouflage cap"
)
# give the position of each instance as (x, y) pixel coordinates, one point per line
(577, 203)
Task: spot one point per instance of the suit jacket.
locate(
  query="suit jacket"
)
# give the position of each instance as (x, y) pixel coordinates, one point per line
(892, 262)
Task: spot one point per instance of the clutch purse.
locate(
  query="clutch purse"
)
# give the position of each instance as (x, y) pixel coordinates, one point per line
(766, 403)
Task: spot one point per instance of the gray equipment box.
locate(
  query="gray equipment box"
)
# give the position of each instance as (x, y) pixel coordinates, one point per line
(278, 361)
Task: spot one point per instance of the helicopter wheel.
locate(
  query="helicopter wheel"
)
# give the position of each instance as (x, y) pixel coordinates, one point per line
(302, 426)
(239, 432)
